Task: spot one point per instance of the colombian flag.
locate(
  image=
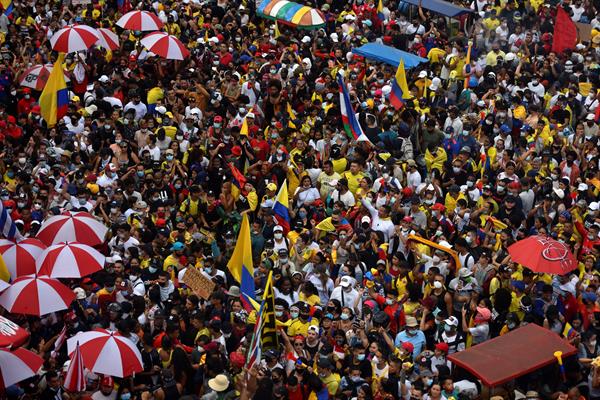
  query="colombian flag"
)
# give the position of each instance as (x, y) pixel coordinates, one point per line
(399, 87)
(7, 6)
(239, 180)
(380, 11)
(240, 265)
(281, 207)
(54, 100)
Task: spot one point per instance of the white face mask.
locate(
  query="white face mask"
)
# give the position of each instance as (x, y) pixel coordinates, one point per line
(278, 236)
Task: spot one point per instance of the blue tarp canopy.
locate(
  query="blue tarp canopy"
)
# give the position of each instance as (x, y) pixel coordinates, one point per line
(441, 7)
(388, 55)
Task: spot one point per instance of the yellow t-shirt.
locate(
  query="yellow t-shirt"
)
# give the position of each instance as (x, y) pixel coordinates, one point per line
(155, 94)
(353, 180)
(297, 327)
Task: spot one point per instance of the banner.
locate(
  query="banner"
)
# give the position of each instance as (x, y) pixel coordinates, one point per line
(565, 32)
(199, 283)
(269, 337)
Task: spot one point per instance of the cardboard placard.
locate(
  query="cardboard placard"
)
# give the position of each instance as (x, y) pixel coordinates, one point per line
(199, 283)
(80, 2)
(584, 31)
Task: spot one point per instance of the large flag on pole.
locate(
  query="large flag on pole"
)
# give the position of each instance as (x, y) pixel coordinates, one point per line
(565, 32)
(240, 264)
(54, 100)
(264, 335)
(351, 125)
(399, 87)
(281, 208)
(380, 14)
(8, 227)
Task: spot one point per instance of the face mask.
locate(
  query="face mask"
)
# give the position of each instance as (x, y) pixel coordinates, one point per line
(82, 202)
(13, 92)
(126, 396)
(456, 169)
(107, 126)
(169, 157)
(302, 214)
(427, 381)
(511, 325)
(429, 201)
(227, 335)
(593, 343)
(132, 278)
(273, 71)
(125, 121)
(359, 357)
(447, 328)
(152, 270)
(278, 313)
(274, 135)
(389, 301)
(411, 331)
(294, 315)
(469, 239)
(21, 204)
(208, 270)
(554, 176)
(37, 206)
(436, 259)
(278, 236)
(345, 317)
(110, 289)
(590, 236)
(140, 174)
(500, 189)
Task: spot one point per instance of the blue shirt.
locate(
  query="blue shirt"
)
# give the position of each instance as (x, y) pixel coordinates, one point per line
(418, 341)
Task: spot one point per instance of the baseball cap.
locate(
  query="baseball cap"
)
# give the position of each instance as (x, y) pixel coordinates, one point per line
(345, 282)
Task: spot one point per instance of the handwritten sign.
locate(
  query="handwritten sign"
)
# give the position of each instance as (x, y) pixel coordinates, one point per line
(199, 283)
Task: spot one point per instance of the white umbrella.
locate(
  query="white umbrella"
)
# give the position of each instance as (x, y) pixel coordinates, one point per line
(36, 77)
(74, 38)
(17, 365)
(106, 352)
(20, 256)
(165, 45)
(36, 295)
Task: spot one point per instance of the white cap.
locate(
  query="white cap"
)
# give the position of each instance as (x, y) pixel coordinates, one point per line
(345, 282)
(435, 83)
(366, 218)
(334, 37)
(161, 109)
(464, 272)
(103, 79)
(386, 90)
(305, 39)
(350, 17)
(452, 320)
(443, 243)
(590, 117)
(79, 293)
(582, 187)
(422, 74)
(559, 192)
(214, 39)
(278, 228)
(510, 56)
(594, 205)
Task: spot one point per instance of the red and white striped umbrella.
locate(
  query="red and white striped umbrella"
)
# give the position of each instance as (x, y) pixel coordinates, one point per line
(74, 38)
(70, 260)
(20, 256)
(79, 227)
(17, 365)
(75, 378)
(36, 295)
(36, 77)
(140, 21)
(108, 39)
(165, 45)
(106, 352)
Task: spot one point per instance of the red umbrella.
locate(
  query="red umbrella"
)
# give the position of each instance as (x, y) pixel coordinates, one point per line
(165, 45)
(74, 38)
(79, 227)
(70, 260)
(75, 379)
(20, 256)
(17, 365)
(543, 254)
(107, 352)
(108, 39)
(11, 334)
(36, 77)
(36, 295)
(140, 21)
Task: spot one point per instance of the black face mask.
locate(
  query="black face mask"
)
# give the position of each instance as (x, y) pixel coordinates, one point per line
(304, 316)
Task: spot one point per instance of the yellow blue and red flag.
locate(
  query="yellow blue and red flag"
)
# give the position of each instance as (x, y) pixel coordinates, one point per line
(380, 11)
(281, 208)
(54, 100)
(8, 6)
(399, 87)
(349, 120)
(240, 265)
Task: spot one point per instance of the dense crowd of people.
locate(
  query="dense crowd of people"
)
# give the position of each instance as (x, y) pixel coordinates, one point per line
(364, 312)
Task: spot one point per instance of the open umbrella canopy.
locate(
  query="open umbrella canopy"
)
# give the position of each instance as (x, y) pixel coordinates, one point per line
(543, 254)
(75, 378)
(36, 77)
(291, 13)
(107, 352)
(20, 256)
(36, 295)
(108, 39)
(165, 45)
(140, 21)
(79, 227)
(17, 365)
(74, 38)
(11, 334)
(70, 260)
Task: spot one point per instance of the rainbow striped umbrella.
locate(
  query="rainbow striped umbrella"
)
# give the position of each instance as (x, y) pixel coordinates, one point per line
(290, 13)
